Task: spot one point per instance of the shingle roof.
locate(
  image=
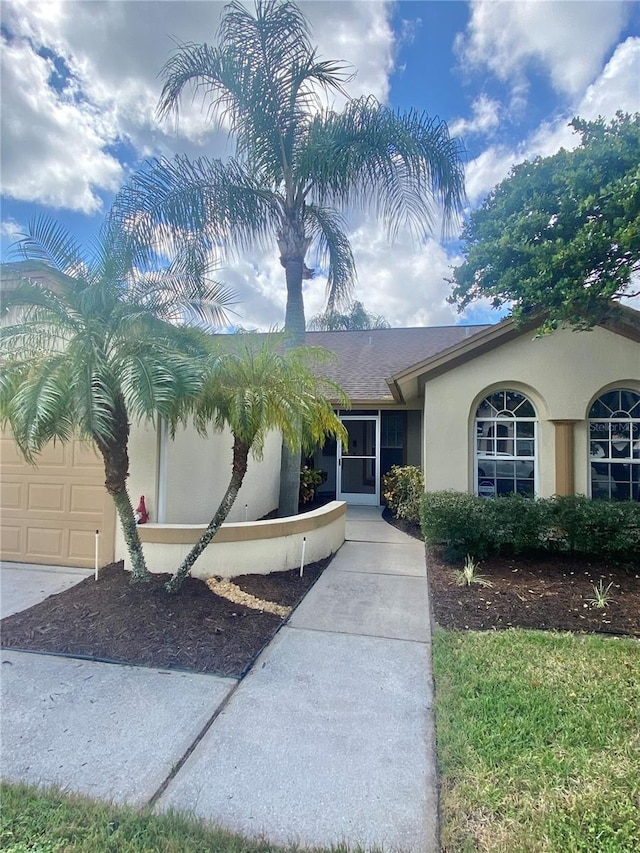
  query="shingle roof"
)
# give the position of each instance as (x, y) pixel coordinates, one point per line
(367, 359)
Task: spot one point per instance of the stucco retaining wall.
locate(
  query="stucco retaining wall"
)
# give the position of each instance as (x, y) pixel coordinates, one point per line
(252, 547)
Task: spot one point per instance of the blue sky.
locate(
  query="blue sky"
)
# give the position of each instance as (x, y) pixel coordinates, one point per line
(79, 90)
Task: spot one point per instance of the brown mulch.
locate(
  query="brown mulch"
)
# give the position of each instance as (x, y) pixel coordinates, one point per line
(543, 591)
(549, 592)
(194, 630)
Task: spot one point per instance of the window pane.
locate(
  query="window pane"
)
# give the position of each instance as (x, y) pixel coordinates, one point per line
(525, 487)
(505, 487)
(524, 448)
(614, 430)
(502, 433)
(525, 429)
(486, 468)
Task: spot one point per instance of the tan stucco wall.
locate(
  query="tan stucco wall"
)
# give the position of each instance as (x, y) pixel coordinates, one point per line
(562, 374)
(198, 472)
(257, 547)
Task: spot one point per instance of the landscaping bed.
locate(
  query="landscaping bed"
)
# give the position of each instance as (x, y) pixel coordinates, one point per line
(538, 590)
(195, 630)
(550, 592)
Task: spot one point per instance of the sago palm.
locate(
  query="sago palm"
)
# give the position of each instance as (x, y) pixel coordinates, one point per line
(93, 344)
(297, 165)
(255, 385)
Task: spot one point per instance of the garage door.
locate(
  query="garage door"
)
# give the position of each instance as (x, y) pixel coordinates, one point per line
(50, 513)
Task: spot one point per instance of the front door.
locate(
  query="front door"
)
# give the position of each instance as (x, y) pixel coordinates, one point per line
(359, 461)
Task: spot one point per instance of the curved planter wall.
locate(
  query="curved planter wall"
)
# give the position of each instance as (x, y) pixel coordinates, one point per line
(250, 547)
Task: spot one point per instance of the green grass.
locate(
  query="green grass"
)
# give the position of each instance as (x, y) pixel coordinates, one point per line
(33, 821)
(538, 742)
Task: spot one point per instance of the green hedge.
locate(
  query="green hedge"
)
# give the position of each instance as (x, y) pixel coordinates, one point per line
(466, 524)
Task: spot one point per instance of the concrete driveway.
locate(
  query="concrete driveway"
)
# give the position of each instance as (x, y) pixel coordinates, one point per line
(23, 584)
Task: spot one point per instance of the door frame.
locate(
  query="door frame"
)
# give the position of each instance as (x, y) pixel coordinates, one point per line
(358, 498)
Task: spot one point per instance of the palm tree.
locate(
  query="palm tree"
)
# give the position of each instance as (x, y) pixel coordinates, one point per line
(296, 165)
(357, 317)
(253, 386)
(91, 344)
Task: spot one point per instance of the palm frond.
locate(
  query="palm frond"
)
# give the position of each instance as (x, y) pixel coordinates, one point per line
(255, 385)
(263, 81)
(22, 341)
(48, 241)
(22, 294)
(156, 380)
(327, 227)
(399, 163)
(203, 209)
(40, 409)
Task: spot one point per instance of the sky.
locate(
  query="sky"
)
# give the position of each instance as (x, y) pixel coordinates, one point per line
(80, 87)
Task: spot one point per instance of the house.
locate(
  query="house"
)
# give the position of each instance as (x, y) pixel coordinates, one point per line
(481, 409)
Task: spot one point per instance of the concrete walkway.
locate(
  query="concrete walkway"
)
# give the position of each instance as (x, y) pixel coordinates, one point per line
(329, 738)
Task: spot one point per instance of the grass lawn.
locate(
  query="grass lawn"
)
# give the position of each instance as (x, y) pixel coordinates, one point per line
(33, 821)
(538, 741)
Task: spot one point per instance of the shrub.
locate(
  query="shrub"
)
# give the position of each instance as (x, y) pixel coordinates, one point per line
(458, 521)
(403, 490)
(598, 527)
(518, 523)
(466, 524)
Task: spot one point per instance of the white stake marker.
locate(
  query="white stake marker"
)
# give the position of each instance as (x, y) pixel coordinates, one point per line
(97, 553)
(304, 545)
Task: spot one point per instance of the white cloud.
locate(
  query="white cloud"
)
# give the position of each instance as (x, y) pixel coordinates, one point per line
(485, 117)
(11, 229)
(403, 281)
(57, 145)
(616, 88)
(53, 149)
(567, 40)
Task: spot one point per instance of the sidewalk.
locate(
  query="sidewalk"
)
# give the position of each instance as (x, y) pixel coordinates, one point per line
(328, 739)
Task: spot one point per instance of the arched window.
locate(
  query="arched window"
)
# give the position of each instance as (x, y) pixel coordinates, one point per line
(614, 446)
(505, 439)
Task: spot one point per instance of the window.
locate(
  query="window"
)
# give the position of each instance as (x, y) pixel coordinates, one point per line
(505, 445)
(614, 446)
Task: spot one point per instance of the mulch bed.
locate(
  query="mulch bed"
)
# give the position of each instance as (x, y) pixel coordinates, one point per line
(549, 592)
(194, 630)
(544, 591)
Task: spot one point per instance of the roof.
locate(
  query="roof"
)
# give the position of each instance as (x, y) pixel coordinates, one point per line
(623, 321)
(366, 360)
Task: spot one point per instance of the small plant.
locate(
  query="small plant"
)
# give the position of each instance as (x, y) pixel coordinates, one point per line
(601, 595)
(310, 479)
(468, 574)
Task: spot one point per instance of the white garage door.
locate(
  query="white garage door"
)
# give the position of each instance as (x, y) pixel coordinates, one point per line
(50, 513)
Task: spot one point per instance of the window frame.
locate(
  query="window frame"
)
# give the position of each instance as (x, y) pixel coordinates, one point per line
(632, 458)
(511, 420)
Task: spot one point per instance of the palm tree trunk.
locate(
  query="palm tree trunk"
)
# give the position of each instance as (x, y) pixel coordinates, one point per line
(294, 322)
(116, 468)
(294, 326)
(132, 539)
(239, 469)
